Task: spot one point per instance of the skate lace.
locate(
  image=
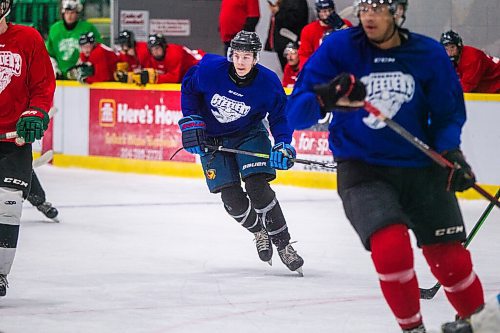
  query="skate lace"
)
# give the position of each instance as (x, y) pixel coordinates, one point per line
(288, 254)
(3, 280)
(262, 240)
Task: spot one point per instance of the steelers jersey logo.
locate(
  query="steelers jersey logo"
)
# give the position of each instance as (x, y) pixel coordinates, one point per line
(211, 174)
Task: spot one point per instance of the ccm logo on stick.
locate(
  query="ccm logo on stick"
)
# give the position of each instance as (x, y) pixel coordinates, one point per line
(449, 231)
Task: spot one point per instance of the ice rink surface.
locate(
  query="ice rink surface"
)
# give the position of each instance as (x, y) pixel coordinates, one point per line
(137, 253)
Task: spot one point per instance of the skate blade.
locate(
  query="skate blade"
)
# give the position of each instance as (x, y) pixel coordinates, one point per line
(55, 220)
(270, 262)
(300, 272)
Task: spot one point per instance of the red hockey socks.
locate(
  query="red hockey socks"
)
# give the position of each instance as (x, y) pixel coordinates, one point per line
(452, 266)
(393, 258)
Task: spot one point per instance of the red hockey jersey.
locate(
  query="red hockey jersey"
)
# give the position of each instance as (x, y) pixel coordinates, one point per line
(141, 57)
(104, 60)
(26, 76)
(233, 14)
(290, 75)
(177, 61)
(478, 72)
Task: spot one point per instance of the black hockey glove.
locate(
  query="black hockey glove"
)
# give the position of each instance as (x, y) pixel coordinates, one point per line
(193, 134)
(335, 21)
(460, 178)
(344, 86)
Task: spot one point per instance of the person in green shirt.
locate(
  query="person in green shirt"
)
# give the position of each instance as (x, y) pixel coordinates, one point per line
(62, 42)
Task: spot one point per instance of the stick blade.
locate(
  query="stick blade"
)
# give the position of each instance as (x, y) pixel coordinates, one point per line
(429, 293)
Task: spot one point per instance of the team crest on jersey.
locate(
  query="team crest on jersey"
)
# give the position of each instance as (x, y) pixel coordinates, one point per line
(67, 47)
(387, 91)
(227, 109)
(211, 174)
(10, 64)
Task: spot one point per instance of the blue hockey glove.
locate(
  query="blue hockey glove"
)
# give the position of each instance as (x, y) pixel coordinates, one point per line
(282, 156)
(460, 179)
(193, 134)
(343, 85)
(32, 124)
(335, 21)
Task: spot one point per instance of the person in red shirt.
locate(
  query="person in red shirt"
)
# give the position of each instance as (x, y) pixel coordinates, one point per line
(132, 53)
(312, 34)
(478, 72)
(292, 68)
(237, 15)
(167, 63)
(97, 62)
(27, 87)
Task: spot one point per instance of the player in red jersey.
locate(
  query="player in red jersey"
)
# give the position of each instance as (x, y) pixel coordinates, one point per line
(97, 62)
(167, 63)
(292, 68)
(236, 15)
(312, 34)
(478, 72)
(27, 85)
(131, 57)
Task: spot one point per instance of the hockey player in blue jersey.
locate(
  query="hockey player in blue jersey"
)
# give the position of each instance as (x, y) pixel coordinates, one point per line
(224, 102)
(387, 186)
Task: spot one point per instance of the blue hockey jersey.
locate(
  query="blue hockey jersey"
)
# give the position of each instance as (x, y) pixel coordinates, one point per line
(414, 84)
(208, 91)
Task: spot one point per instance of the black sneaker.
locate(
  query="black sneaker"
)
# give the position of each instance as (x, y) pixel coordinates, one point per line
(457, 326)
(291, 259)
(264, 247)
(3, 285)
(47, 210)
(419, 329)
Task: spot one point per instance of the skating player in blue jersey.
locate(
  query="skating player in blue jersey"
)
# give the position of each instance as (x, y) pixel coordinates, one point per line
(224, 101)
(388, 186)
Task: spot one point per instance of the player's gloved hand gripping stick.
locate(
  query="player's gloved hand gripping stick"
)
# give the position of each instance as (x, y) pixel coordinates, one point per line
(347, 93)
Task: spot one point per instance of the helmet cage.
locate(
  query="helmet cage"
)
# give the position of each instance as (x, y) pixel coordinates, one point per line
(5, 7)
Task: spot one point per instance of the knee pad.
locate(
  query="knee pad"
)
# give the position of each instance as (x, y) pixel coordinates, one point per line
(11, 205)
(392, 253)
(450, 263)
(259, 191)
(238, 205)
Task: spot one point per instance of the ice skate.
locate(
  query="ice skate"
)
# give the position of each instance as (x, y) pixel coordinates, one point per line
(3, 285)
(264, 247)
(291, 259)
(419, 329)
(48, 210)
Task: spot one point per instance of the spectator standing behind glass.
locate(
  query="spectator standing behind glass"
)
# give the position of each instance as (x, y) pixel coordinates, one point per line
(292, 68)
(313, 33)
(62, 42)
(236, 15)
(478, 72)
(288, 17)
(167, 63)
(97, 61)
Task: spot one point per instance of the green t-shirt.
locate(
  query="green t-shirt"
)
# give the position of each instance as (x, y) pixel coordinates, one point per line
(62, 44)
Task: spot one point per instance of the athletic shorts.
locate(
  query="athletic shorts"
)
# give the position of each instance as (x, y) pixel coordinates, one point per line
(16, 166)
(377, 196)
(226, 169)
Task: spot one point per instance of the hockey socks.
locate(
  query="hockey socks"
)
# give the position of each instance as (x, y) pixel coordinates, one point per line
(393, 258)
(451, 264)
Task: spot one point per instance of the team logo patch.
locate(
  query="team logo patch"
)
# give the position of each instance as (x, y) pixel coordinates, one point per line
(387, 91)
(10, 64)
(211, 174)
(226, 110)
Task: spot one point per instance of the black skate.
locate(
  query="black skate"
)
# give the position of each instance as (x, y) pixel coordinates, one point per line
(291, 259)
(3, 285)
(48, 210)
(458, 326)
(419, 329)
(264, 247)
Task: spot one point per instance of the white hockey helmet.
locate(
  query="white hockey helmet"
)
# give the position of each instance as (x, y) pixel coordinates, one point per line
(71, 5)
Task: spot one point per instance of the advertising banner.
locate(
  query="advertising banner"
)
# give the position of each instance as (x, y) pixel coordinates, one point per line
(136, 124)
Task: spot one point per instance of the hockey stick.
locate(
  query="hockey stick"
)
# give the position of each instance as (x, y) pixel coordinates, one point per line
(43, 159)
(327, 165)
(423, 147)
(431, 292)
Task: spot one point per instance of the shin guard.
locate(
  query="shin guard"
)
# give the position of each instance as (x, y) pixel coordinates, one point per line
(240, 208)
(393, 258)
(451, 264)
(11, 203)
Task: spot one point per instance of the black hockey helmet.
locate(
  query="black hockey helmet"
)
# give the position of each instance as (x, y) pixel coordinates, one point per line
(246, 41)
(5, 7)
(125, 37)
(87, 38)
(451, 37)
(324, 4)
(157, 40)
(291, 46)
